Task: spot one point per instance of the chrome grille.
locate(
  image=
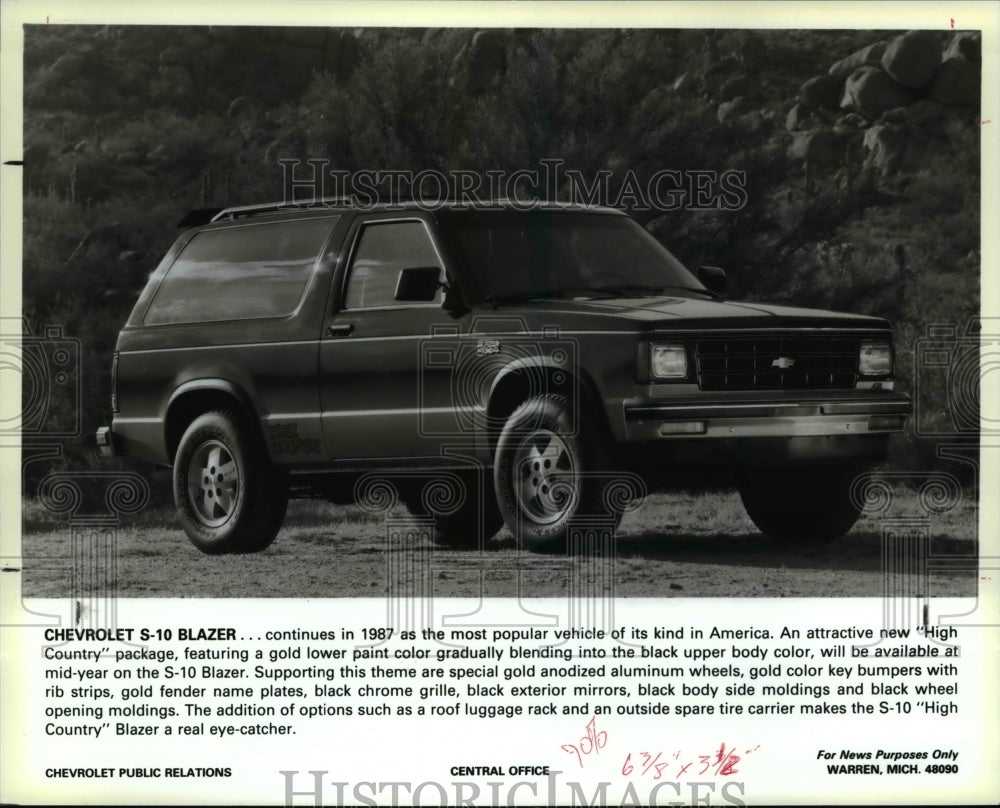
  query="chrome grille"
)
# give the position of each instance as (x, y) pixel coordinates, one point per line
(787, 362)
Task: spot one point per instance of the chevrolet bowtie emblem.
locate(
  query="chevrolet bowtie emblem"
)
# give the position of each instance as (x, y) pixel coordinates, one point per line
(783, 362)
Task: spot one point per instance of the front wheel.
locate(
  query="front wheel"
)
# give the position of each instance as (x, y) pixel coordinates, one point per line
(807, 505)
(549, 472)
(229, 498)
(473, 519)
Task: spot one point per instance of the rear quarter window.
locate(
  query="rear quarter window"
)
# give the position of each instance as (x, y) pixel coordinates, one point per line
(247, 271)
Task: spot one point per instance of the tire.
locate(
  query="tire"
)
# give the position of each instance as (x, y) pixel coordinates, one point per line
(229, 498)
(547, 473)
(463, 528)
(802, 505)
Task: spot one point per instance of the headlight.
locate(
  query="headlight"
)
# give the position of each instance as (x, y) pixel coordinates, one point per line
(668, 362)
(875, 359)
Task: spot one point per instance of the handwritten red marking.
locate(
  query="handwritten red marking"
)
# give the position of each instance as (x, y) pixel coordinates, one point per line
(722, 762)
(952, 22)
(983, 123)
(648, 763)
(651, 763)
(725, 762)
(589, 744)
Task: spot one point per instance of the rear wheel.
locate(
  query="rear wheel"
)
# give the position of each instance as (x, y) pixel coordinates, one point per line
(549, 471)
(229, 498)
(802, 504)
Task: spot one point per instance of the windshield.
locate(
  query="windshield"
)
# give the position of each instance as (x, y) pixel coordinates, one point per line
(513, 254)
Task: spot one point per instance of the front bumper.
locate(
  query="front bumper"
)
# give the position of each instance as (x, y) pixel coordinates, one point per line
(792, 429)
(768, 418)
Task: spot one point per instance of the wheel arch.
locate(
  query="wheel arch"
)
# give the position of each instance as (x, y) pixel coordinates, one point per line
(198, 396)
(521, 381)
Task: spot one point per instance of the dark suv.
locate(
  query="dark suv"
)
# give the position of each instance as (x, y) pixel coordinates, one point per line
(533, 359)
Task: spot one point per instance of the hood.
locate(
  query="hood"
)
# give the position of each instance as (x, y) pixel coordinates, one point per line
(669, 313)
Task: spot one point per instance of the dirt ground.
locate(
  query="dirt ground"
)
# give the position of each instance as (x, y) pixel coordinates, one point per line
(674, 545)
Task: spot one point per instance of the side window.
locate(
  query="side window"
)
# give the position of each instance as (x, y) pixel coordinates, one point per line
(240, 272)
(382, 252)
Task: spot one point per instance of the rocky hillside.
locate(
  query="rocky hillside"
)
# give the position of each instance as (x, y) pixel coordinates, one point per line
(885, 105)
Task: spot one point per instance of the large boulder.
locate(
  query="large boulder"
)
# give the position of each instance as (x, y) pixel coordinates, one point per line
(913, 58)
(802, 117)
(891, 147)
(823, 91)
(956, 83)
(966, 44)
(870, 56)
(740, 113)
(850, 124)
(729, 111)
(871, 92)
(752, 121)
(884, 146)
(820, 149)
(897, 115)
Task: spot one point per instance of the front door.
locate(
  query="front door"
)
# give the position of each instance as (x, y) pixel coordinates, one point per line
(379, 369)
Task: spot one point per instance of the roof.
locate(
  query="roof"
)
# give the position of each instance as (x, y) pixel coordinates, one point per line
(203, 216)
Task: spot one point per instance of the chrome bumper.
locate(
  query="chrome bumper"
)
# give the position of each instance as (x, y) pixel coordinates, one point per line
(768, 419)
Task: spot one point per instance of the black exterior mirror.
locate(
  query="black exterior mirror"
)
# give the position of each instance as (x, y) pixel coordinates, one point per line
(418, 284)
(714, 279)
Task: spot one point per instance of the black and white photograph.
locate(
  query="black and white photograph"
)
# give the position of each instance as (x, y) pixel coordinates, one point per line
(719, 288)
(492, 338)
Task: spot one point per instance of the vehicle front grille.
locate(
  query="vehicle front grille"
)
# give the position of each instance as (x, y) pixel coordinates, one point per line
(767, 362)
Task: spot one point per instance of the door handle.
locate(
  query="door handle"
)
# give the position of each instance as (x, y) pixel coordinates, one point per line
(339, 329)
